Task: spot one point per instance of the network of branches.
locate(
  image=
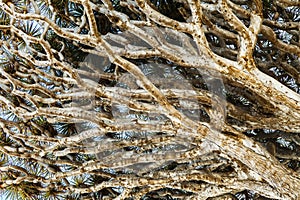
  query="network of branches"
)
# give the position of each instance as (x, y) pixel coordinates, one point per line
(154, 99)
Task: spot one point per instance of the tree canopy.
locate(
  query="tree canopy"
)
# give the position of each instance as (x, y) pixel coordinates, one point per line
(154, 99)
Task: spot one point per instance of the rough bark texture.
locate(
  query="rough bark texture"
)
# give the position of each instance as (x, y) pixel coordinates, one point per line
(134, 99)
